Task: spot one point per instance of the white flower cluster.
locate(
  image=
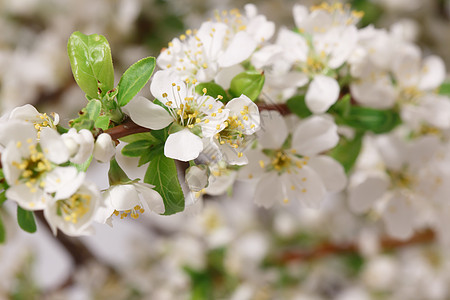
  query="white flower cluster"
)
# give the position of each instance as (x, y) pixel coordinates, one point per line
(40, 168)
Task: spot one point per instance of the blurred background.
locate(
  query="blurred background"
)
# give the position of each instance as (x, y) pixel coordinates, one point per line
(228, 249)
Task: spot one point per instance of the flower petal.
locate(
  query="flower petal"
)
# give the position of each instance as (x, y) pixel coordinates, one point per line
(151, 197)
(305, 186)
(166, 86)
(123, 197)
(17, 130)
(433, 73)
(331, 172)
(63, 181)
(28, 198)
(268, 190)
(238, 105)
(183, 145)
(147, 114)
(273, 131)
(365, 189)
(315, 135)
(322, 92)
(53, 146)
(240, 48)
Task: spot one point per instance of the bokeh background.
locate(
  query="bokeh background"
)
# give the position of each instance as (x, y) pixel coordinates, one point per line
(229, 248)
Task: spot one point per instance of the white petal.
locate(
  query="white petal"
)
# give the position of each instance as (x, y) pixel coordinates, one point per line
(196, 178)
(266, 56)
(406, 65)
(268, 190)
(53, 146)
(212, 35)
(17, 130)
(151, 197)
(322, 92)
(27, 199)
(26, 113)
(256, 164)
(315, 135)
(331, 172)
(433, 73)
(295, 46)
(240, 48)
(365, 189)
(8, 156)
(183, 145)
(86, 147)
(123, 197)
(237, 105)
(399, 217)
(300, 13)
(344, 46)
(231, 155)
(147, 114)
(273, 131)
(166, 86)
(64, 182)
(224, 76)
(305, 186)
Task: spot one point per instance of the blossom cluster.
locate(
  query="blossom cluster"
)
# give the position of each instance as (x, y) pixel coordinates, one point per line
(301, 113)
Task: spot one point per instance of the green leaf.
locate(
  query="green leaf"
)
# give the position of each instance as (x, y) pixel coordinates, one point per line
(91, 62)
(162, 173)
(249, 83)
(298, 106)
(2, 197)
(103, 122)
(212, 89)
(93, 109)
(444, 89)
(137, 137)
(347, 151)
(134, 79)
(375, 120)
(136, 148)
(25, 219)
(2, 231)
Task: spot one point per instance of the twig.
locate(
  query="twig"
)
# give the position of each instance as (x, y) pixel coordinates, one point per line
(328, 248)
(128, 127)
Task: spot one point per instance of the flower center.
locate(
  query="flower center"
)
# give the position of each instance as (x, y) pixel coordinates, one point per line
(74, 208)
(33, 167)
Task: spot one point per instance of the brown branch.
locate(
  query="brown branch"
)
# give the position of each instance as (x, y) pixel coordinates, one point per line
(128, 127)
(329, 248)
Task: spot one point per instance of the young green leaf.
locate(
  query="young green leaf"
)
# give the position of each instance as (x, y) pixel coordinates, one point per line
(212, 89)
(347, 151)
(2, 232)
(25, 219)
(115, 174)
(93, 109)
(162, 173)
(298, 106)
(249, 83)
(103, 122)
(137, 136)
(134, 79)
(91, 62)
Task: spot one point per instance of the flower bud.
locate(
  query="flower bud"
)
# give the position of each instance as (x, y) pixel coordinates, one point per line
(104, 148)
(80, 144)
